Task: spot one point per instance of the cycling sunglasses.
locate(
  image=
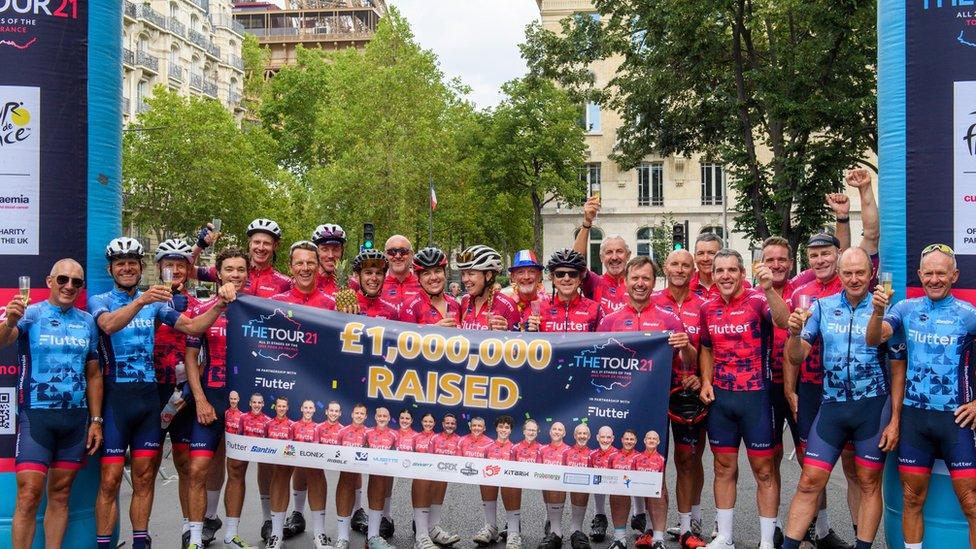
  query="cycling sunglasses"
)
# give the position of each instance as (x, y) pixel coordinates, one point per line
(944, 248)
(64, 279)
(398, 252)
(564, 274)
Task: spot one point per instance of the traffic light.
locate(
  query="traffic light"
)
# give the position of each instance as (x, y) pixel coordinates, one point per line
(678, 236)
(369, 235)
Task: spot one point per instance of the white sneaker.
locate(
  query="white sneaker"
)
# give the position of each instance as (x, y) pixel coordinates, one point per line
(514, 541)
(486, 536)
(441, 536)
(322, 541)
(766, 545)
(720, 543)
(341, 544)
(274, 542)
(236, 543)
(424, 542)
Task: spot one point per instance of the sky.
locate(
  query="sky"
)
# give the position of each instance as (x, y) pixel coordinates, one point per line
(475, 40)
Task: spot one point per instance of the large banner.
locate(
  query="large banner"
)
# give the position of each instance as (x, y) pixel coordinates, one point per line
(619, 380)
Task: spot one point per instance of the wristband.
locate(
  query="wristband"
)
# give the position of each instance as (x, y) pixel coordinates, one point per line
(201, 236)
(843, 219)
(98, 420)
(585, 226)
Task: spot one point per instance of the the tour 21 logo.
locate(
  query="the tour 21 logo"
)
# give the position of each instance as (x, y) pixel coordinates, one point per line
(14, 123)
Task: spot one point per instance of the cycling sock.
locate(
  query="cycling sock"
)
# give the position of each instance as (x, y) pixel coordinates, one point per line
(299, 496)
(139, 539)
(576, 518)
(725, 518)
(514, 520)
(435, 514)
(278, 524)
(196, 533)
(684, 523)
(318, 522)
(373, 527)
(555, 512)
(421, 519)
(213, 498)
(230, 529)
(104, 542)
(600, 503)
(620, 534)
(767, 527)
(658, 535)
(913, 545)
(186, 525)
(790, 543)
(696, 512)
(266, 506)
(822, 527)
(491, 512)
(342, 527)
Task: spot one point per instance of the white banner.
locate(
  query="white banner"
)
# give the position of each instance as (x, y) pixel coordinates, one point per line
(20, 158)
(395, 463)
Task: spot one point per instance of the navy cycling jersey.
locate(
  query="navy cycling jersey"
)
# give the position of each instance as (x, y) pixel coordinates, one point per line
(127, 355)
(851, 369)
(938, 334)
(54, 345)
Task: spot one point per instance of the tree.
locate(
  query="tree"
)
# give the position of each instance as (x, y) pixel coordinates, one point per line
(255, 60)
(534, 147)
(740, 80)
(185, 161)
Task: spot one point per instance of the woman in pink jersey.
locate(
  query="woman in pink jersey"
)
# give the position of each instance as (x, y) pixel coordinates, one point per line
(484, 308)
(432, 305)
(307, 430)
(279, 428)
(405, 434)
(624, 460)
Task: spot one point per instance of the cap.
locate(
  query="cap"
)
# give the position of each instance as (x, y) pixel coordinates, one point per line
(525, 258)
(823, 239)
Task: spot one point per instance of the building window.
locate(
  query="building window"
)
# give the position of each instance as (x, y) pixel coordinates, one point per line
(644, 242)
(590, 177)
(714, 229)
(593, 255)
(712, 184)
(650, 184)
(590, 120)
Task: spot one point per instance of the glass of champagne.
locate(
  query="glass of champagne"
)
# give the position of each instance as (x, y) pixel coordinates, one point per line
(536, 308)
(167, 278)
(885, 279)
(23, 283)
(757, 260)
(216, 222)
(803, 303)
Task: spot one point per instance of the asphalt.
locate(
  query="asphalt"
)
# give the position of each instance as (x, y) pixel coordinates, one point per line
(463, 511)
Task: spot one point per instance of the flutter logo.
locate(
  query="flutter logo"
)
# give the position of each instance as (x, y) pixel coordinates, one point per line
(14, 123)
(278, 336)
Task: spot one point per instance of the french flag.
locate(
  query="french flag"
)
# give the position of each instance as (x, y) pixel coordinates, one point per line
(433, 197)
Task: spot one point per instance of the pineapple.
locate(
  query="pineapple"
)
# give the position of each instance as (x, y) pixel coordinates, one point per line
(346, 301)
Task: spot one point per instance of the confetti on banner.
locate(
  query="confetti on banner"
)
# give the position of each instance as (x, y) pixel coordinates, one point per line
(363, 380)
(575, 419)
(235, 369)
(570, 378)
(567, 386)
(319, 404)
(415, 405)
(335, 384)
(585, 419)
(526, 415)
(290, 313)
(253, 353)
(548, 420)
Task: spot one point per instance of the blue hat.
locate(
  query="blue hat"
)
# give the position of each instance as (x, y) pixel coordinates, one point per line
(525, 258)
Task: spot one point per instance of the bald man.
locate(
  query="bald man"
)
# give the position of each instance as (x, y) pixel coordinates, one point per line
(59, 419)
(401, 283)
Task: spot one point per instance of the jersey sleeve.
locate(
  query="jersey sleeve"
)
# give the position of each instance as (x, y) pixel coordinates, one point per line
(167, 315)
(705, 338)
(207, 274)
(589, 284)
(672, 321)
(98, 304)
(803, 277)
(26, 321)
(811, 330)
(896, 313)
(92, 339)
(970, 319)
(896, 349)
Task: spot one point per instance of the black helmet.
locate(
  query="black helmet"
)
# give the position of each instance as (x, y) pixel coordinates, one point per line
(566, 258)
(367, 258)
(429, 258)
(685, 408)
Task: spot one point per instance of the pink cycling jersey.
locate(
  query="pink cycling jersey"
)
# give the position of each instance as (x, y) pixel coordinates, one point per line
(232, 421)
(328, 433)
(420, 310)
(382, 439)
(526, 452)
(524, 305)
(169, 348)
(653, 462)
(399, 293)
(553, 454)
(499, 450)
(609, 292)
(326, 283)
(254, 425)
(624, 459)
(317, 298)
(739, 333)
(278, 428)
(501, 305)
(304, 431)
(688, 311)
(812, 369)
(472, 447)
(421, 442)
(579, 315)
(579, 456)
(405, 439)
(353, 435)
(212, 345)
(444, 444)
(377, 307)
(602, 458)
(260, 283)
(650, 319)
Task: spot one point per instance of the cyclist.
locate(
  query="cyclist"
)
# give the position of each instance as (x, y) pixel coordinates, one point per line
(554, 453)
(59, 399)
(856, 407)
(525, 451)
(206, 372)
(369, 269)
(736, 332)
(401, 284)
(526, 282)
(307, 430)
(421, 491)
(651, 460)
(279, 428)
(378, 490)
(328, 430)
(610, 289)
(600, 458)
(484, 308)
(689, 440)
(126, 319)
(444, 443)
(353, 434)
(938, 413)
(567, 310)
(579, 456)
(475, 444)
(254, 423)
(330, 241)
(405, 432)
(263, 239)
(501, 449)
(622, 459)
(432, 305)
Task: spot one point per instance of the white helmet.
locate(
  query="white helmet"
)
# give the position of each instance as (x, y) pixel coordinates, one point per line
(329, 234)
(480, 258)
(123, 247)
(174, 248)
(262, 225)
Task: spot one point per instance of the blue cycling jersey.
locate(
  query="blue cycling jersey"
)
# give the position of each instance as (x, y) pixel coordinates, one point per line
(54, 345)
(938, 334)
(852, 370)
(127, 355)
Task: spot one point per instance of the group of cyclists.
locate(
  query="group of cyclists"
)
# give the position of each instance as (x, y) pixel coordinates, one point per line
(853, 375)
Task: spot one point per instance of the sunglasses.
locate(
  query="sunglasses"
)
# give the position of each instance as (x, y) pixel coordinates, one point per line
(75, 282)
(398, 252)
(564, 274)
(938, 248)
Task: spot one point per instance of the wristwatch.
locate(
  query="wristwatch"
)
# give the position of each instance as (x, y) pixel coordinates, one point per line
(98, 420)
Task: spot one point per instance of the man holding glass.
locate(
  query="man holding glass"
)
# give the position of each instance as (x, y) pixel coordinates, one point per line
(60, 379)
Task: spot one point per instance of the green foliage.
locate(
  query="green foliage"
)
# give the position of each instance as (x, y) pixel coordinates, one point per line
(533, 147)
(255, 59)
(185, 161)
(781, 92)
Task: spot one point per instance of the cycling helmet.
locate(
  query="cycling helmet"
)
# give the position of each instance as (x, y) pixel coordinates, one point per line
(685, 407)
(369, 258)
(429, 258)
(123, 248)
(174, 248)
(566, 258)
(480, 258)
(262, 225)
(329, 234)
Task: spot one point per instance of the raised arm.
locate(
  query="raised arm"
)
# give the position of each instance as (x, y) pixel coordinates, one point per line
(199, 324)
(8, 328)
(878, 330)
(860, 179)
(113, 321)
(590, 209)
(777, 307)
(840, 204)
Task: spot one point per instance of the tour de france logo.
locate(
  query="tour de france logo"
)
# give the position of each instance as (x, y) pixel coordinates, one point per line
(15, 122)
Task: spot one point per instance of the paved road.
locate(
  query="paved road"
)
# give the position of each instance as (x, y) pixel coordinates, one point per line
(463, 513)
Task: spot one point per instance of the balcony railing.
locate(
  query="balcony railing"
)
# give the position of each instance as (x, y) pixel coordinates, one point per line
(146, 13)
(175, 72)
(212, 50)
(128, 57)
(147, 61)
(235, 61)
(175, 27)
(129, 9)
(202, 4)
(141, 105)
(196, 81)
(126, 104)
(199, 39)
(210, 88)
(227, 22)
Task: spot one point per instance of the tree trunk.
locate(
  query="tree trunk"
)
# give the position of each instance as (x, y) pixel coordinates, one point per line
(537, 223)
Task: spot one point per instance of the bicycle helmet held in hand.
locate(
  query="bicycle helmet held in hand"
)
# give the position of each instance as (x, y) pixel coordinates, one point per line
(685, 407)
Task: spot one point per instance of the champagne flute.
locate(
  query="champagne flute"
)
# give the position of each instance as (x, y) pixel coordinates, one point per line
(216, 222)
(803, 302)
(24, 284)
(757, 260)
(167, 277)
(885, 279)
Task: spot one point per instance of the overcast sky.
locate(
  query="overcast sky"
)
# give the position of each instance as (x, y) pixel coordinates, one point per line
(476, 40)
